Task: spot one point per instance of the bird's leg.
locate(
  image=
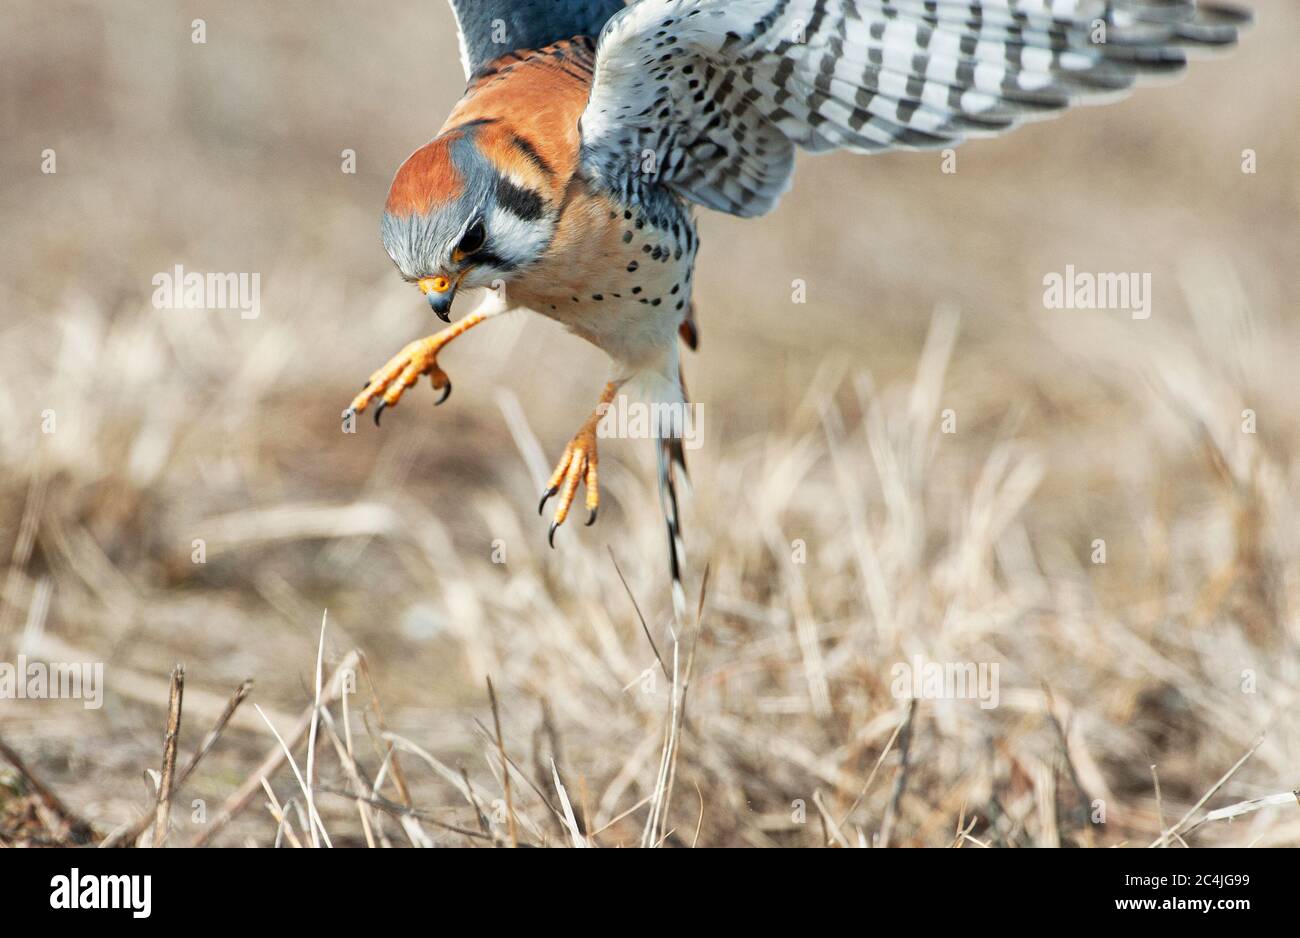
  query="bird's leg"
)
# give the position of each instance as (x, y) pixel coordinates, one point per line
(405, 368)
(578, 465)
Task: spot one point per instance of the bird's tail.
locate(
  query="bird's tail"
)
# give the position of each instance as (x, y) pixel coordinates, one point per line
(672, 470)
(673, 478)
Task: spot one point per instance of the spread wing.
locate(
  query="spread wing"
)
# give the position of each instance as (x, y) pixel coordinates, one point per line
(492, 28)
(711, 96)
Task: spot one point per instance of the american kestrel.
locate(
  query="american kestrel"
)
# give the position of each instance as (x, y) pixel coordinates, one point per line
(589, 131)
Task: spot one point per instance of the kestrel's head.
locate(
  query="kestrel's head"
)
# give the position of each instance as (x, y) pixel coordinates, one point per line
(468, 209)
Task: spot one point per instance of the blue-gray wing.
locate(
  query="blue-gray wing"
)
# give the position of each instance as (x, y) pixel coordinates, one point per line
(491, 28)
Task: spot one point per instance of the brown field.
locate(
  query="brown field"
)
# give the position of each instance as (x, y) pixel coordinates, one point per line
(844, 532)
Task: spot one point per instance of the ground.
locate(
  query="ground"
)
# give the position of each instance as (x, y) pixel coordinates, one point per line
(904, 454)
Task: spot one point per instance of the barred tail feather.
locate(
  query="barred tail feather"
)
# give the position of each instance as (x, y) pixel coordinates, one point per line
(671, 461)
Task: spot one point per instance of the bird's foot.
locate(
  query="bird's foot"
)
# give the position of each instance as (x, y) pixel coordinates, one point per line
(404, 369)
(577, 465)
(389, 383)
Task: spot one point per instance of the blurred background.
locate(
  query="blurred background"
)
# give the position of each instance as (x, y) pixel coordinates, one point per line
(844, 532)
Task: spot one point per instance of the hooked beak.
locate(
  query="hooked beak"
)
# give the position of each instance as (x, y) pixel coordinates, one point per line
(440, 291)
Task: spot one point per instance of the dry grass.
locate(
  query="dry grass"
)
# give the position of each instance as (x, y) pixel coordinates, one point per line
(823, 442)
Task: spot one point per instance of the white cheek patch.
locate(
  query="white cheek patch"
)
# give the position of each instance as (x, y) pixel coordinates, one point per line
(515, 240)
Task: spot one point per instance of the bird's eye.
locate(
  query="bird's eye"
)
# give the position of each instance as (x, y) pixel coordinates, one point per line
(473, 239)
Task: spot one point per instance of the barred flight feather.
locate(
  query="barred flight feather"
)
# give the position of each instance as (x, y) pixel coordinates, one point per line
(714, 95)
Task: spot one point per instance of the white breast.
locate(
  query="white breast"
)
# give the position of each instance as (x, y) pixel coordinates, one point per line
(616, 280)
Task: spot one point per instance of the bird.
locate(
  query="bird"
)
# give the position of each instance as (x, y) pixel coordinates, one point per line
(591, 131)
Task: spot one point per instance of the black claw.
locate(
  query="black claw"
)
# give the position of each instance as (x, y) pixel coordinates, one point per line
(446, 393)
(592, 519)
(366, 385)
(546, 497)
(550, 535)
(379, 411)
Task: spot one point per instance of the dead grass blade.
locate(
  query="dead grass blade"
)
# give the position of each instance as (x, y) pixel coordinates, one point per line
(900, 779)
(127, 836)
(1163, 839)
(241, 796)
(162, 815)
(505, 766)
(313, 818)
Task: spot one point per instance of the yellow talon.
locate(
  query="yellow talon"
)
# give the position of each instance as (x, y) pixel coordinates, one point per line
(577, 467)
(405, 368)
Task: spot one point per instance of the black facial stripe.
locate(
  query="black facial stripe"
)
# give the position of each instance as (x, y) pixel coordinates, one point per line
(522, 203)
(485, 258)
(530, 151)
